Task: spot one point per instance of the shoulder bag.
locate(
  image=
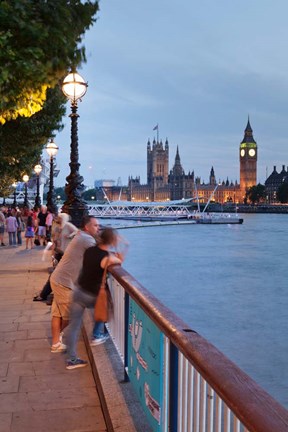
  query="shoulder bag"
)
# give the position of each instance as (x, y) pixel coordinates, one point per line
(103, 305)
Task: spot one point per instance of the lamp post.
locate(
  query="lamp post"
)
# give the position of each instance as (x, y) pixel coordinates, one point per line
(25, 179)
(38, 169)
(52, 150)
(74, 88)
(14, 185)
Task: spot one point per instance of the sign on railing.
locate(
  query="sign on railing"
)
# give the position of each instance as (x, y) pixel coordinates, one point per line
(145, 363)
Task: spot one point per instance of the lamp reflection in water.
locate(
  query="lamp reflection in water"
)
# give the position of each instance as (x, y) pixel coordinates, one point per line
(74, 88)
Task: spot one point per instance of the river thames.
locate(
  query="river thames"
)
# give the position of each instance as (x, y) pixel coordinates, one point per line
(229, 283)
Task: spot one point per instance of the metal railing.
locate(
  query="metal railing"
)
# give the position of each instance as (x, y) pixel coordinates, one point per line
(202, 390)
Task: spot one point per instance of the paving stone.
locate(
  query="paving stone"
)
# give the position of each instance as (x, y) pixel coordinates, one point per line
(10, 336)
(21, 369)
(38, 334)
(64, 380)
(34, 325)
(5, 422)
(9, 384)
(14, 402)
(72, 398)
(32, 344)
(3, 369)
(86, 419)
(9, 327)
(39, 354)
(11, 355)
(54, 367)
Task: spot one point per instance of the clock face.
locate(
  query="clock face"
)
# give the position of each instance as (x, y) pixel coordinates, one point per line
(242, 152)
(252, 152)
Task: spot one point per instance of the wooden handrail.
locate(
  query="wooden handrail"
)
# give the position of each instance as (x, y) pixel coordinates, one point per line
(251, 404)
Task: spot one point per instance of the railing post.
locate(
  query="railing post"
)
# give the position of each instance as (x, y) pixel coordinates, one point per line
(126, 335)
(173, 389)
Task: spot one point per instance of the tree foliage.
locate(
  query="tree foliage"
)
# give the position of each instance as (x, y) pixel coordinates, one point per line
(22, 140)
(39, 41)
(282, 193)
(256, 194)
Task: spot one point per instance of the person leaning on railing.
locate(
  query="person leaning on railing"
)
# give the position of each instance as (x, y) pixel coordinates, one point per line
(93, 274)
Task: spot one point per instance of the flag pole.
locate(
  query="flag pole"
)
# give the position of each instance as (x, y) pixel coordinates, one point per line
(157, 128)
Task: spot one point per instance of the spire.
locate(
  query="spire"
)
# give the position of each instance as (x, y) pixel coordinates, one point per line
(248, 134)
(177, 157)
(177, 169)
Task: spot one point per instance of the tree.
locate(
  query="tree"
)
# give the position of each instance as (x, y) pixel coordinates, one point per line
(39, 41)
(256, 194)
(88, 194)
(22, 140)
(282, 193)
(60, 191)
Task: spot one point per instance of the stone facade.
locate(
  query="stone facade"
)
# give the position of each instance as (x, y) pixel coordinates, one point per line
(273, 182)
(163, 185)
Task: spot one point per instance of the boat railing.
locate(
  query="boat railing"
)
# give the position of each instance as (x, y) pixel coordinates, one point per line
(195, 388)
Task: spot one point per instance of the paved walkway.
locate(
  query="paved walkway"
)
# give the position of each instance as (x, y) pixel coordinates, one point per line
(37, 393)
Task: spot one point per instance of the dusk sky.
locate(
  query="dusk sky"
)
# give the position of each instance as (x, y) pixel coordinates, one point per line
(197, 69)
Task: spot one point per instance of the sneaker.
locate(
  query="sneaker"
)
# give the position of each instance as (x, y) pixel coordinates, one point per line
(59, 347)
(99, 340)
(77, 363)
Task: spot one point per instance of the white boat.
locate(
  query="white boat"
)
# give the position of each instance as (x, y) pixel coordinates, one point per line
(216, 218)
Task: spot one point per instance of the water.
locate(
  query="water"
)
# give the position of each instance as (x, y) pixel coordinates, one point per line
(229, 283)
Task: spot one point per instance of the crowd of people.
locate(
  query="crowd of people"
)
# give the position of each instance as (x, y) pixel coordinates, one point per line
(80, 261)
(33, 225)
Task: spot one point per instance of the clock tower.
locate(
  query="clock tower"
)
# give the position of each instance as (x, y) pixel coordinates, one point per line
(248, 160)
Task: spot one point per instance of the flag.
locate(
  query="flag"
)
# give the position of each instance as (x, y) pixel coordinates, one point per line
(156, 127)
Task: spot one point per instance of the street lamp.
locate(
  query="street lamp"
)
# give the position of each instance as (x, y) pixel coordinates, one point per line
(52, 150)
(14, 185)
(74, 88)
(25, 179)
(38, 169)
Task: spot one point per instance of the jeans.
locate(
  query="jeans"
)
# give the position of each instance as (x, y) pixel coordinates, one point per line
(19, 237)
(99, 329)
(81, 300)
(12, 238)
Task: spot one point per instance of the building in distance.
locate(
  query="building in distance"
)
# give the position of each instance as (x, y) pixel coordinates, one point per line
(164, 185)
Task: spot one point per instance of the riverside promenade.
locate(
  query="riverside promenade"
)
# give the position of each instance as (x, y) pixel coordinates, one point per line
(37, 393)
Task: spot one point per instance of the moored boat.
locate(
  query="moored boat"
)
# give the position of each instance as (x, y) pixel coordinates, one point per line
(217, 218)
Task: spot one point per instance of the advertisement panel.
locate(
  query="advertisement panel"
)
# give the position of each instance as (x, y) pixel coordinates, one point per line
(145, 363)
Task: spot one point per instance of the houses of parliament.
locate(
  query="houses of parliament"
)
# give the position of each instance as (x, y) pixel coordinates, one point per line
(165, 185)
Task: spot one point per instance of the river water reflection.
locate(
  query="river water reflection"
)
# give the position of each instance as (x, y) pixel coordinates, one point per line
(229, 283)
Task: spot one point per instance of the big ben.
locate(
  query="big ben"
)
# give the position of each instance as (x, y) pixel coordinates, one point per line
(248, 160)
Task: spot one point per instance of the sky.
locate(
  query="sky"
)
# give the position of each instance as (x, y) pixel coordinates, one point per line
(198, 70)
